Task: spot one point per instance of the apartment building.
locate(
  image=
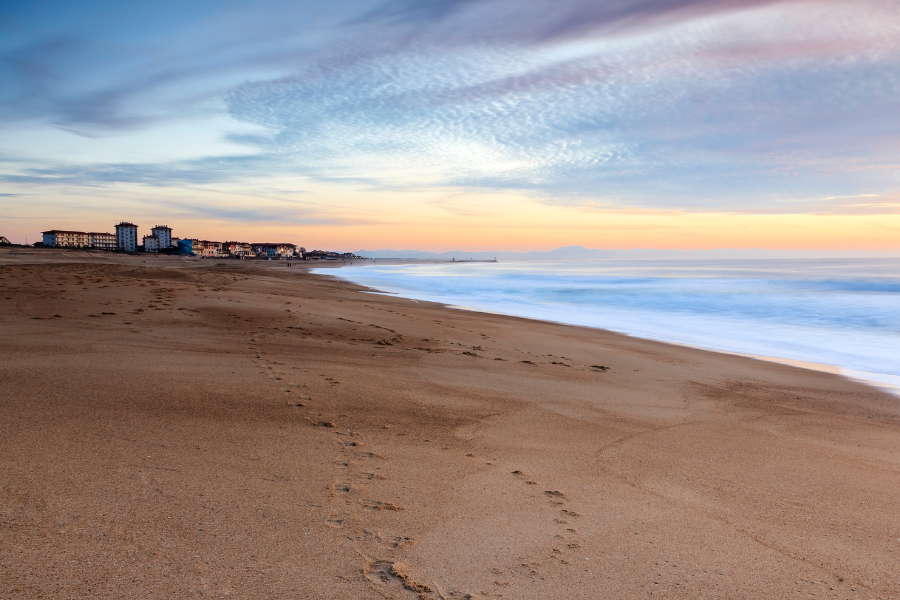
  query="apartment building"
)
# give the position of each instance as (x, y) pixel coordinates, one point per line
(103, 241)
(126, 237)
(60, 238)
(163, 234)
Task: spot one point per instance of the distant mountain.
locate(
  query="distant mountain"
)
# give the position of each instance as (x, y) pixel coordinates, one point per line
(580, 252)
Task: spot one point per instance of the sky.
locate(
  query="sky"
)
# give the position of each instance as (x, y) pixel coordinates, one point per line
(456, 124)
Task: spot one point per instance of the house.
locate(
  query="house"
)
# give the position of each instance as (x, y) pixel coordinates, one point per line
(151, 243)
(207, 248)
(239, 249)
(126, 237)
(4, 241)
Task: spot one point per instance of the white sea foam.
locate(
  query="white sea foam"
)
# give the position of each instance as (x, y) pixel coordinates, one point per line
(843, 313)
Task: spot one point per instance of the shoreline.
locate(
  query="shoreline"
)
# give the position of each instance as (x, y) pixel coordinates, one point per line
(199, 429)
(883, 382)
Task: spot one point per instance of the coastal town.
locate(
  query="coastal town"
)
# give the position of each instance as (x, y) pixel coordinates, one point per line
(162, 241)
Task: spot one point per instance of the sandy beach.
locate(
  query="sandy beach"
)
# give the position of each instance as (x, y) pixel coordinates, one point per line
(183, 428)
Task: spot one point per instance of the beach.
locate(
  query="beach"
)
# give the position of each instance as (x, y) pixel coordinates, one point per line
(175, 427)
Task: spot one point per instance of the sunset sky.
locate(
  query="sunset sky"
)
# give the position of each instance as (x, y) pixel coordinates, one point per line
(456, 124)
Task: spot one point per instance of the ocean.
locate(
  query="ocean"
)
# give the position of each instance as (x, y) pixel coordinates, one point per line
(833, 314)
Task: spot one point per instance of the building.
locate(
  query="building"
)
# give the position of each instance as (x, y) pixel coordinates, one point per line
(103, 241)
(207, 248)
(273, 250)
(4, 241)
(60, 238)
(163, 234)
(239, 249)
(151, 243)
(185, 247)
(126, 237)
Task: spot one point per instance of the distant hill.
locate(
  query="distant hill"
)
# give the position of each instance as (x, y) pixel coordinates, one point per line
(580, 252)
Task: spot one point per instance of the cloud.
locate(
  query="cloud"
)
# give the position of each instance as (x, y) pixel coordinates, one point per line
(195, 172)
(111, 67)
(688, 104)
(211, 211)
(204, 171)
(537, 21)
(693, 117)
(114, 67)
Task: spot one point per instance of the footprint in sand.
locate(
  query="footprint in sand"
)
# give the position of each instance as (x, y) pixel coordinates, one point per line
(376, 505)
(555, 496)
(335, 520)
(340, 501)
(390, 542)
(348, 511)
(392, 578)
(522, 476)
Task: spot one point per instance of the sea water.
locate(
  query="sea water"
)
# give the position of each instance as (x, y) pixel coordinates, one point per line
(843, 313)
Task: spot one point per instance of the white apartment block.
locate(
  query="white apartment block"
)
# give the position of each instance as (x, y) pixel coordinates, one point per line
(126, 237)
(163, 234)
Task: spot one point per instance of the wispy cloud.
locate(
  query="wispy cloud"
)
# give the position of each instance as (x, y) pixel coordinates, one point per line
(737, 108)
(685, 104)
(216, 212)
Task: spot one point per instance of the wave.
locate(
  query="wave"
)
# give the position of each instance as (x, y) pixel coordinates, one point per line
(844, 313)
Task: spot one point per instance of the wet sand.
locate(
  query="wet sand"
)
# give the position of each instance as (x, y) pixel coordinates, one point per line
(190, 428)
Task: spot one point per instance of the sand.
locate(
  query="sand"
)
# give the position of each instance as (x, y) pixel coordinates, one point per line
(195, 428)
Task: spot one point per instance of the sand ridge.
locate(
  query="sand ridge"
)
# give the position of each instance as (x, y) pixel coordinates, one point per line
(177, 427)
